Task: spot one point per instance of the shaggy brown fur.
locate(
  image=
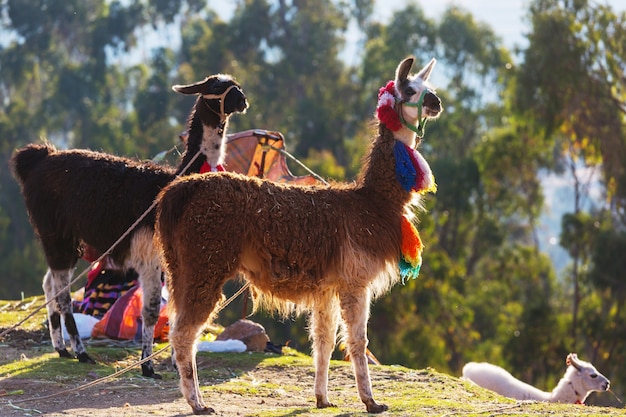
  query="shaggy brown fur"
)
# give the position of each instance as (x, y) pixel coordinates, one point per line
(79, 197)
(326, 249)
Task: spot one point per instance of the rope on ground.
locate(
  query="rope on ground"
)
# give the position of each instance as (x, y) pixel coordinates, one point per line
(94, 382)
(128, 368)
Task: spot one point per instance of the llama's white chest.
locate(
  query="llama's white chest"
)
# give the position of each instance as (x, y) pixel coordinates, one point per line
(213, 145)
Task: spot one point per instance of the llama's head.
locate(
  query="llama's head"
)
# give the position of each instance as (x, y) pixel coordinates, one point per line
(411, 89)
(220, 93)
(405, 104)
(416, 98)
(585, 376)
(218, 97)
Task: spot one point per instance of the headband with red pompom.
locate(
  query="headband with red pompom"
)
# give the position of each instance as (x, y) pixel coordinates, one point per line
(385, 110)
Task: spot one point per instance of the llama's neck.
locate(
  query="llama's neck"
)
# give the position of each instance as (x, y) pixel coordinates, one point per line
(213, 145)
(535, 394)
(207, 135)
(569, 391)
(406, 135)
(523, 391)
(378, 175)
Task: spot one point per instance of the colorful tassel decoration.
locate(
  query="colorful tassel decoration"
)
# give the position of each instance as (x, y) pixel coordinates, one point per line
(405, 170)
(411, 249)
(412, 170)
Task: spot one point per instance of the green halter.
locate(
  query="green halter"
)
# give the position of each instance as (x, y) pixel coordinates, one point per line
(419, 130)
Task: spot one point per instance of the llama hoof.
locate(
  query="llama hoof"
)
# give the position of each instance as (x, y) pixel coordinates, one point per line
(84, 358)
(63, 353)
(321, 403)
(203, 411)
(148, 372)
(152, 375)
(373, 407)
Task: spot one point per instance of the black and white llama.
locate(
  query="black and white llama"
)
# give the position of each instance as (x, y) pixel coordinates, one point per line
(79, 197)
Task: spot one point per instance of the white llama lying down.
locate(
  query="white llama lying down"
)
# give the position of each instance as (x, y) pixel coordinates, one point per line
(580, 379)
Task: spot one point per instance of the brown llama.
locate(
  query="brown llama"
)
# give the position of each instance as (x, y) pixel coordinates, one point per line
(79, 197)
(326, 249)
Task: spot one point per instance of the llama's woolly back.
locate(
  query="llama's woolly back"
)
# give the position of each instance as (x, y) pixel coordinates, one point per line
(496, 379)
(79, 182)
(287, 268)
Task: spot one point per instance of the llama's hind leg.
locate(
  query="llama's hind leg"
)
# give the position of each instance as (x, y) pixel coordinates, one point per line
(355, 311)
(188, 321)
(323, 329)
(144, 259)
(61, 307)
(54, 316)
(151, 287)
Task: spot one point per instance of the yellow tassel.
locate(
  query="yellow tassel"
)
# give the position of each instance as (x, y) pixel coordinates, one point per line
(411, 248)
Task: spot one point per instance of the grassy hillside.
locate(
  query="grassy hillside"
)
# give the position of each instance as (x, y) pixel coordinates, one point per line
(246, 384)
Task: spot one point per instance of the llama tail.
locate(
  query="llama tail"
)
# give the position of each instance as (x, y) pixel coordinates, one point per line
(25, 160)
(172, 200)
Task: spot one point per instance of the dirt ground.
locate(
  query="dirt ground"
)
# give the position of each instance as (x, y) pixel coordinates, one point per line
(235, 385)
(133, 395)
(149, 397)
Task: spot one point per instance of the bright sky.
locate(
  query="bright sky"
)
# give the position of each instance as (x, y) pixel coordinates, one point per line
(507, 18)
(504, 16)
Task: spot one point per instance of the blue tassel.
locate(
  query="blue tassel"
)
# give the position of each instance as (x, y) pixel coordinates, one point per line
(408, 271)
(405, 171)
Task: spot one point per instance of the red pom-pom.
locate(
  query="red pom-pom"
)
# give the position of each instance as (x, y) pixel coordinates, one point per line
(390, 88)
(386, 111)
(389, 117)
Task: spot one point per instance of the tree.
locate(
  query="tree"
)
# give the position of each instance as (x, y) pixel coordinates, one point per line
(489, 194)
(571, 84)
(58, 82)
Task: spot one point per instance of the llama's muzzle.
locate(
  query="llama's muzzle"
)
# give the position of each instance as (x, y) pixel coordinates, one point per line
(432, 105)
(243, 104)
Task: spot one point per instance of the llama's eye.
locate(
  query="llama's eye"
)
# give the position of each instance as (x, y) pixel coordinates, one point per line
(409, 92)
(593, 375)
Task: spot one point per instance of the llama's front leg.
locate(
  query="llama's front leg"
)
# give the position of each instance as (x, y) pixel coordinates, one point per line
(53, 284)
(355, 312)
(323, 325)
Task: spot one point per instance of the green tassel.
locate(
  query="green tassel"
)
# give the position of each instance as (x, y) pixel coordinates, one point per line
(408, 271)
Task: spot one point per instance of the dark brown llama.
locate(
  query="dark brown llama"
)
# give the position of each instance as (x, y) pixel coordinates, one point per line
(79, 197)
(326, 249)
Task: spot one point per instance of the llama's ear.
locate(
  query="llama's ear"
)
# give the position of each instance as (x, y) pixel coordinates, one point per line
(195, 88)
(424, 73)
(572, 359)
(402, 72)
